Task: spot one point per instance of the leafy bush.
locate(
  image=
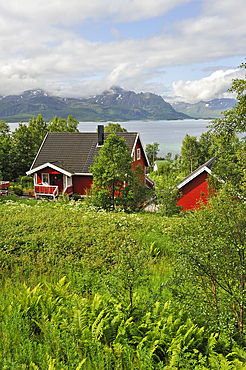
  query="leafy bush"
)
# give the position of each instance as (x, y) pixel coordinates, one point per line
(18, 190)
(210, 265)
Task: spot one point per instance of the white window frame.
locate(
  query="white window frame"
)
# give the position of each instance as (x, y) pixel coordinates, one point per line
(133, 155)
(48, 178)
(138, 154)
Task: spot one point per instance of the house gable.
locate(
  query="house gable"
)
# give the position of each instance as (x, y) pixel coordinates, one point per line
(138, 154)
(194, 187)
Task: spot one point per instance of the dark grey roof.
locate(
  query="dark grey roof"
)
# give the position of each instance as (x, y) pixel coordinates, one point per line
(74, 151)
(209, 164)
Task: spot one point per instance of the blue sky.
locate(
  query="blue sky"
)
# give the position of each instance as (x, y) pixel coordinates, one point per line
(180, 49)
(102, 31)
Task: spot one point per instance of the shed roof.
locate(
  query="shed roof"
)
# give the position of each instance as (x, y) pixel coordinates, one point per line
(205, 167)
(75, 151)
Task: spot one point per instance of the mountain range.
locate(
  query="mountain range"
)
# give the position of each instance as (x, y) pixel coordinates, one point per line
(114, 104)
(205, 109)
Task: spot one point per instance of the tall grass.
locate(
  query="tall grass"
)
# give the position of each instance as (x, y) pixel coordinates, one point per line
(56, 311)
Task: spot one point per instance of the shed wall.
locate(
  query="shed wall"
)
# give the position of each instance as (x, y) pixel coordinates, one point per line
(193, 192)
(81, 184)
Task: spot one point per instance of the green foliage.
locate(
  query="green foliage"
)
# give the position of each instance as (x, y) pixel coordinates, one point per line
(22, 151)
(114, 127)
(5, 145)
(63, 125)
(166, 178)
(141, 194)
(210, 266)
(38, 129)
(190, 154)
(195, 153)
(26, 182)
(234, 120)
(19, 148)
(128, 271)
(167, 199)
(17, 189)
(4, 128)
(48, 321)
(221, 141)
(114, 182)
(152, 151)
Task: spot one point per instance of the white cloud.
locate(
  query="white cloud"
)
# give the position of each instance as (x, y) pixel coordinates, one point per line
(214, 86)
(67, 12)
(39, 48)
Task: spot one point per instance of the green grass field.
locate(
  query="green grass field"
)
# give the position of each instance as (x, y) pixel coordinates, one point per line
(82, 289)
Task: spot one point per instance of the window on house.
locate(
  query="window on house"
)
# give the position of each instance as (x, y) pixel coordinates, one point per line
(45, 178)
(133, 157)
(138, 153)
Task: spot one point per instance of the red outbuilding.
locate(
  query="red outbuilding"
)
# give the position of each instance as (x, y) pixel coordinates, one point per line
(194, 187)
(4, 186)
(64, 159)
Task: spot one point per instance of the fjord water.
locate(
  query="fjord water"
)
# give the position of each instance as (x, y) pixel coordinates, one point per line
(169, 134)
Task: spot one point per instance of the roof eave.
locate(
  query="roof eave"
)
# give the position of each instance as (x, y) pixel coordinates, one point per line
(48, 164)
(38, 152)
(193, 176)
(83, 174)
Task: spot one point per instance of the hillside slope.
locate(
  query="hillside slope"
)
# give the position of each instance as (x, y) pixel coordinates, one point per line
(205, 109)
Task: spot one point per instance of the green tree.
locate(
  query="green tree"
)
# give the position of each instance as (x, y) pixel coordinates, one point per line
(167, 197)
(23, 150)
(190, 153)
(4, 128)
(128, 272)
(113, 178)
(114, 127)
(141, 194)
(166, 178)
(234, 120)
(5, 146)
(225, 142)
(39, 129)
(27, 138)
(207, 147)
(210, 266)
(63, 125)
(152, 151)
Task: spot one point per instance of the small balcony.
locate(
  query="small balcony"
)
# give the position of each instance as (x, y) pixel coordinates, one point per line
(46, 190)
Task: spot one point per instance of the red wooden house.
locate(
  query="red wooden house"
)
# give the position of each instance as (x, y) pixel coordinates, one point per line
(194, 187)
(64, 159)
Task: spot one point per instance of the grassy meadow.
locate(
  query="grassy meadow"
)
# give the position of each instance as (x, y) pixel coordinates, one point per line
(87, 289)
